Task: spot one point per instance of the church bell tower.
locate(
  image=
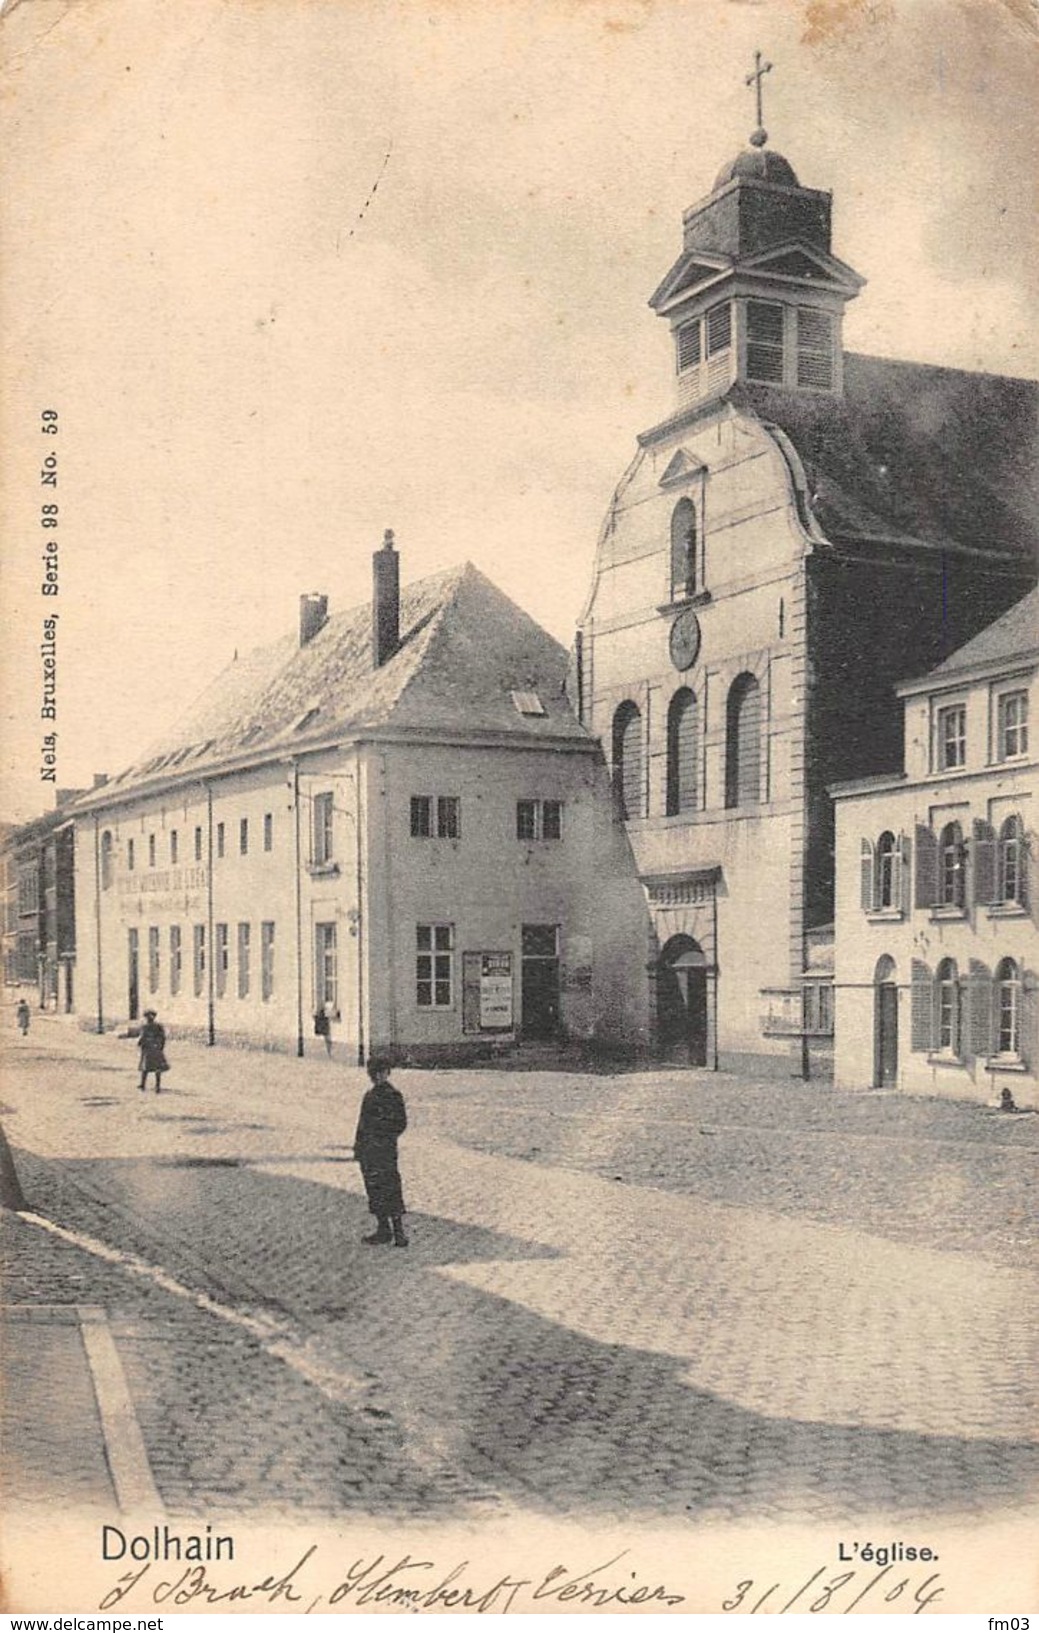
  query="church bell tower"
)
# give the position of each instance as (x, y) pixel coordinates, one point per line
(756, 295)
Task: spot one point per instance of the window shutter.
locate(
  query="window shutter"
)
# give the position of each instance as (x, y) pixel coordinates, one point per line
(1024, 852)
(1028, 1046)
(979, 1011)
(984, 859)
(903, 860)
(926, 868)
(921, 1007)
(866, 866)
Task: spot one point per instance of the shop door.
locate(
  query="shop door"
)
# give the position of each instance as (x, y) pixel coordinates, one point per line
(540, 981)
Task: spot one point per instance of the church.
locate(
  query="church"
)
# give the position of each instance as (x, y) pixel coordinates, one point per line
(802, 530)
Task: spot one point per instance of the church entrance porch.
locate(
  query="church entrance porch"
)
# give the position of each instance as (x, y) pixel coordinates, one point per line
(682, 1002)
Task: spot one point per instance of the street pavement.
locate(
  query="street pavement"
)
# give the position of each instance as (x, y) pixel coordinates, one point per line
(660, 1295)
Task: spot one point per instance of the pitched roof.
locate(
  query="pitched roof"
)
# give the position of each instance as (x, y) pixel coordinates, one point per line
(916, 455)
(1015, 635)
(464, 648)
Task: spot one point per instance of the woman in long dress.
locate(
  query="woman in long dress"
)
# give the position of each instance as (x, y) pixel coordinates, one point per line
(383, 1119)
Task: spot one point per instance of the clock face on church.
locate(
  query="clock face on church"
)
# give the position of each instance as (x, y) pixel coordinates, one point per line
(684, 640)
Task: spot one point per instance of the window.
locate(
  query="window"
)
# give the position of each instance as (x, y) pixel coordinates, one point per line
(765, 342)
(266, 959)
(29, 888)
(326, 968)
(627, 761)
(743, 743)
(817, 1008)
(268, 831)
(221, 839)
(243, 960)
(947, 1008)
(130, 856)
(687, 345)
(174, 846)
(243, 837)
(814, 348)
(436, 816)
(151, 850)
(223, 959)
(683, 549)
(682, 749)
(1011, 861)
(1013, 725)
(324, 830)
(952, 737)
(198, 844)
(719, 329)
(175, 959)
(106, 860)
(539, 819)
(885, 885)
(434, 944)
(1008, 1008)
(198, 958)
(951, 866)
(153, 958)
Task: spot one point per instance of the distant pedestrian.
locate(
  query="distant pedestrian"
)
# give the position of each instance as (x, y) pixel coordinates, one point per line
(1007, 1101)
(22, 1012)
(383, 1119)
(323, 1027)
(152, 1044)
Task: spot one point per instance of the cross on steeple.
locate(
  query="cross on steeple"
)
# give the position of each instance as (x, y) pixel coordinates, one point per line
(760, 136)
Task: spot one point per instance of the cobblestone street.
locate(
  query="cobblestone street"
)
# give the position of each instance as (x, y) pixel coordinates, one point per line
(655, 1295)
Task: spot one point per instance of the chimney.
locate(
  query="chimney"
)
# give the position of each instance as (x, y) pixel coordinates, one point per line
(313, 611)
(100, 778)
(385, 601)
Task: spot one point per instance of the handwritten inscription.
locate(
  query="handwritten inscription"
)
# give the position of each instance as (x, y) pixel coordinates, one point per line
(407, 1582)
(841, 1591)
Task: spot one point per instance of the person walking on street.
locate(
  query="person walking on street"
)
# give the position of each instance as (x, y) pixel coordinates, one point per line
(22, 1012)
(382, 1121)
(323, 1028)
(152, 1044)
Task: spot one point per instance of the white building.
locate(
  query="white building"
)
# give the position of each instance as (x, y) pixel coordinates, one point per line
(937, 948)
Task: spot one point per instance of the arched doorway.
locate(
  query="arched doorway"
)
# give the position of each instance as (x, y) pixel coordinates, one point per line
(682, 1001)
(885, 1025)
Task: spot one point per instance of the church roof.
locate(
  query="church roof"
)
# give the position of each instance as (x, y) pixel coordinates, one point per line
(917, 455)
(465, 648)
(1014, 636)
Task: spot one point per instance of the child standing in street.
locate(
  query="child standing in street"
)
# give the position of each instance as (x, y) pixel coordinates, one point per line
(383, 1119)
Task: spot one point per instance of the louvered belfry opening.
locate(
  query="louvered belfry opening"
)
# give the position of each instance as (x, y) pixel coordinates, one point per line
(385, 601)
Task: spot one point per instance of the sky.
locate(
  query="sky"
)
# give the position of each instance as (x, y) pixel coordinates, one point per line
(291, 272)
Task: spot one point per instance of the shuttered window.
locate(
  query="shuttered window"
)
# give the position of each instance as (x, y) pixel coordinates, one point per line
(682, 753)
(765, 342)
(814, 348)
(1008, 1013)
(947, 1004)
(627, 760)
(743, 743)
(885, 886)
(176, 959)
(1012, 881)
(951, 866)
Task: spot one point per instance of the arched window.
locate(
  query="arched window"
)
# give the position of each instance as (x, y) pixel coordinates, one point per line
(682, 747)
(885, 889)
(951, 891)
(948, 1008)
(106, 859)
(1008, 1008)
(1011, 862)
(683, 549)
(743, 743)
(627, 759)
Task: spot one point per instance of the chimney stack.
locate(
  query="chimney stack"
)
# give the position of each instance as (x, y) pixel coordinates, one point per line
(385, 601)
(313, 612)
(100, 779)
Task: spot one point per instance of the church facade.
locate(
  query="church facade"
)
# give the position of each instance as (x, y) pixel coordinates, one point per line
(803, 529)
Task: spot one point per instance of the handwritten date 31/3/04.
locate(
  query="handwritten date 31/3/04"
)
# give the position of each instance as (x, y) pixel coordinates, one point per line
(839, 1591)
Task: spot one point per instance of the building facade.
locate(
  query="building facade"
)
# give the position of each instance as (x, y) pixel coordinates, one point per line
(802, 520)
(937, 945)
(395, 818)
(39, 908)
